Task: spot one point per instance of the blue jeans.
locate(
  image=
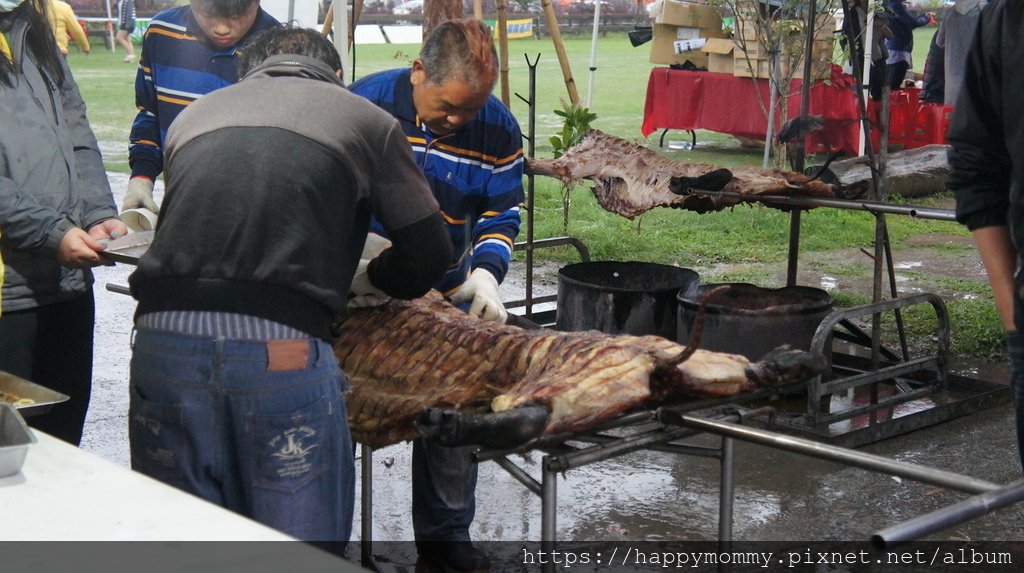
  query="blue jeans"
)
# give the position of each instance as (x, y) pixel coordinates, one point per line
(443, 491)
(216, 418)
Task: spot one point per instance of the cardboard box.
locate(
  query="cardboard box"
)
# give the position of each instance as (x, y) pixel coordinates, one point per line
(762, 68)
(719, 51)
(664, 51)
(821, 50)
(670, 43)
(688, 15)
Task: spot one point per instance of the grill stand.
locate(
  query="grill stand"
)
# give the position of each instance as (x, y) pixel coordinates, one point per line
(662, 429)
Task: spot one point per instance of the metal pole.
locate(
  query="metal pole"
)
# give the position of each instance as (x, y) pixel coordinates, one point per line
(794, 247)
(842, 455)
(805, 86)
(341, 34)
(593, 53)
(110, 28)
(531, 147)
(867, 33)
(548, 505)
(366, 506)
(852, 205)
(727, 493)
(929, 523)
(519, 474)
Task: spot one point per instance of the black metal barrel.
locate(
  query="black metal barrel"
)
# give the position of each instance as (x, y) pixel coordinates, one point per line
(621, 297)
(751, 320)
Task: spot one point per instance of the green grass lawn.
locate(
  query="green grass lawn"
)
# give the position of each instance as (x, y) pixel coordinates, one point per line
(747, 234)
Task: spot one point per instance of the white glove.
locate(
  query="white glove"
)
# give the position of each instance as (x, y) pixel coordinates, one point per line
(140, 194)
(362, 293)
(374, 246)
(482, 288)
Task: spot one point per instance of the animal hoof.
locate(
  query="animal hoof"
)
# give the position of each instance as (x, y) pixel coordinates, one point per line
(714, 181)
(501, 430)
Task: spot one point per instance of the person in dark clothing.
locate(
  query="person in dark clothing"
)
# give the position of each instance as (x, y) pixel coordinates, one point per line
(879, 34)
(901, 45)
(933, 87)
(986, 160)
(955, 36)
(236, 395)
(55, 209)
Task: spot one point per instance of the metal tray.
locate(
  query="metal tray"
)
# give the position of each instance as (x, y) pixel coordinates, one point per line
(44, 397)
(15, 438)
(129, 248)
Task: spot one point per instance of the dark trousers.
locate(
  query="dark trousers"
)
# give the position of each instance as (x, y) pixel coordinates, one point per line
(877, 76)
(1015, 348)
(52, 346)
(897, 73)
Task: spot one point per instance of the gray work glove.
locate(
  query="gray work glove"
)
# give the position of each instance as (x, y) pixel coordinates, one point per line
(140, 194)
(482, 289)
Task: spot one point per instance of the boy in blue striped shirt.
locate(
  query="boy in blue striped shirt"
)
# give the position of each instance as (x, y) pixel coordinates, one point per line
(187, 52)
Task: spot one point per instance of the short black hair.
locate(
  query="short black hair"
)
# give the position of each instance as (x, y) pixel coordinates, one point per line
(287, 40)
(223, 8)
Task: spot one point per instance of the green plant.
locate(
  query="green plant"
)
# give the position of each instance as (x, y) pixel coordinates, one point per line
(576, 121)
(575, 124)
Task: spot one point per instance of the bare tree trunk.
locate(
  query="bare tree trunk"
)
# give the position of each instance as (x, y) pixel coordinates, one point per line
(437, 11)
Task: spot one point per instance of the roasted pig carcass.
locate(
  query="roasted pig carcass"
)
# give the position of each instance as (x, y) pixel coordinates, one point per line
(631, 179)
(411, 364)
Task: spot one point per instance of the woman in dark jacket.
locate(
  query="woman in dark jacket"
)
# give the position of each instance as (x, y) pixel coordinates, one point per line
(55, 208)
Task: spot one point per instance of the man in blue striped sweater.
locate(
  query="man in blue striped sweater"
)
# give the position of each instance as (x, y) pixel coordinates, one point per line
(470, 148)
(187, 52)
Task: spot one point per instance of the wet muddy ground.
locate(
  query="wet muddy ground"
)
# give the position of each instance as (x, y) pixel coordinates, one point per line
(650, 495)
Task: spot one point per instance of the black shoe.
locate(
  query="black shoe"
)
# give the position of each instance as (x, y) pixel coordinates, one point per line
(449, 556)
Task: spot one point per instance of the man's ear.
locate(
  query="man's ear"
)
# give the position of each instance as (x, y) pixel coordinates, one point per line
(419, 74)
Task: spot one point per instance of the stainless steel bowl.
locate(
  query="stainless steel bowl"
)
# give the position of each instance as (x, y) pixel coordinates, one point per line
(15, 438)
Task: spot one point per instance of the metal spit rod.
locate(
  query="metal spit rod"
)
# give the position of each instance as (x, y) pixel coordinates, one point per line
(848, 204)
(924, 525)
(842, 455)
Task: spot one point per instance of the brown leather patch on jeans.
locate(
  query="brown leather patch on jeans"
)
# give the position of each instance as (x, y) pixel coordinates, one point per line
(284, 355)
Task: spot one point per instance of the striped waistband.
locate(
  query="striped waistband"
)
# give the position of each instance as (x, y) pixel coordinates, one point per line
(217, 325)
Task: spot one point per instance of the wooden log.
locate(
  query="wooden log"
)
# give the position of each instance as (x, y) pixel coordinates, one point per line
(910, 173)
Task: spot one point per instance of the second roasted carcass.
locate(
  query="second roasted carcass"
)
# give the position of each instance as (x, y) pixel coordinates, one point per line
(631, 179)
(406, 357)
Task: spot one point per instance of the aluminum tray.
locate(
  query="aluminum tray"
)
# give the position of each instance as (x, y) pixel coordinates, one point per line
(44, 397)
(15, 438)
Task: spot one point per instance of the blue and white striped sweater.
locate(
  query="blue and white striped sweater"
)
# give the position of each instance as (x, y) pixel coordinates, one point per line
(476, 173)
(176, 68)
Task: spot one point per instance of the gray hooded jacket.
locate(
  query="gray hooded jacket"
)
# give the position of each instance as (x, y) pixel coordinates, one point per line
(51, 178)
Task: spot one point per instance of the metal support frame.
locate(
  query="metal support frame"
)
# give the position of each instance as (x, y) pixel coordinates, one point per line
(817, 388)
(659, 429)
(530, 244)
(693, 137)
(648, 431)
